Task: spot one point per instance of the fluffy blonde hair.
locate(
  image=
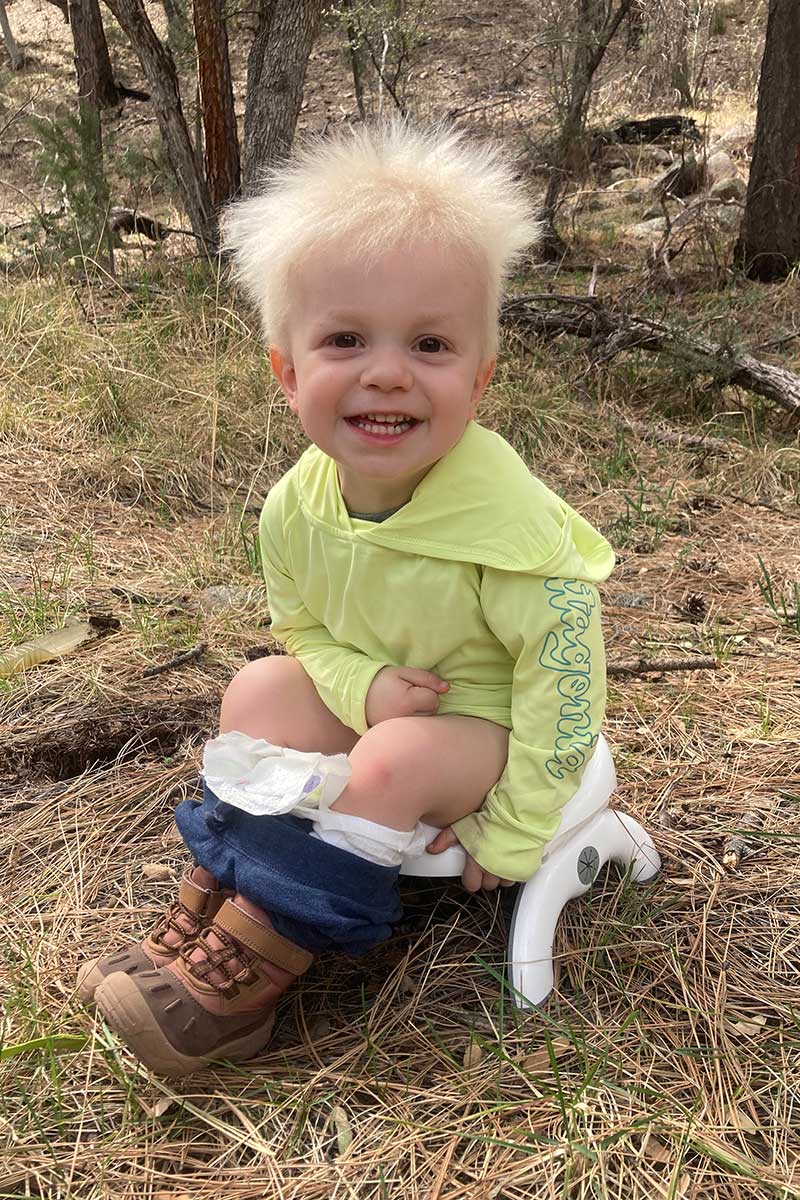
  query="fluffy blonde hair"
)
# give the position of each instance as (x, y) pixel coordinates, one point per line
(367, 190)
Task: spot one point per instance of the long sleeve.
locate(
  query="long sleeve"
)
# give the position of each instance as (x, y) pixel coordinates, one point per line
(551, 628)
(341, 674)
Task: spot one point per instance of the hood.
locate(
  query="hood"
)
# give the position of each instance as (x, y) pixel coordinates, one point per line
(478, 504)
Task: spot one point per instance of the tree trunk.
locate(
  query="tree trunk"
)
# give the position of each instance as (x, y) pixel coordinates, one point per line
(680, 73)
(93, 68)
(14, 52)
(179, 37)
(97, 183)
(216, 96)
(276, 71)
(159, 67)
(769, 240)
(597, 24)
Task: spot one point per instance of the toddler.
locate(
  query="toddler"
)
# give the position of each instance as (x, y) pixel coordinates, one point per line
(436, 601)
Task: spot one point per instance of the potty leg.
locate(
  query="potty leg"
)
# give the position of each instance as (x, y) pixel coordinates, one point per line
(569, 872)
(533, 925)
(635, 847)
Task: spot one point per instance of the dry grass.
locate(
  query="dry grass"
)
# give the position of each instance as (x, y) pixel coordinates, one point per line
(134, 430)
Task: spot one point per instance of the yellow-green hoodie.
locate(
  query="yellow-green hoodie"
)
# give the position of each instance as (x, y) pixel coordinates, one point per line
(486, 577)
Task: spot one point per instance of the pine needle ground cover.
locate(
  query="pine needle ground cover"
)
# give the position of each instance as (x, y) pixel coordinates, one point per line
(139, 432)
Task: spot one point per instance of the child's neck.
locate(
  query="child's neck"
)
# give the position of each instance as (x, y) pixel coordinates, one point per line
(376, 495)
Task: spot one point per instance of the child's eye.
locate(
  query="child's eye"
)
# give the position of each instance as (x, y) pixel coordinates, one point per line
(343, 341)
(431, 345)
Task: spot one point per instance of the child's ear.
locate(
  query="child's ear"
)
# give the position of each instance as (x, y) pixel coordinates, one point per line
(484, 374)
(284, 372)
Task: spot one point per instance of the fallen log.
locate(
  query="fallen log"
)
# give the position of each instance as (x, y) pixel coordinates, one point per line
(651, 129)
(654, 432)
(127, 220)
(614, 331)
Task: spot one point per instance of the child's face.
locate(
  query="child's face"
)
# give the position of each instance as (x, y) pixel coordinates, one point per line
(402, 340)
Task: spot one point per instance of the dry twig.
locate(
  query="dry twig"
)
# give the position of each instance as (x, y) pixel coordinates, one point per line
(644, 666)
(178, 661)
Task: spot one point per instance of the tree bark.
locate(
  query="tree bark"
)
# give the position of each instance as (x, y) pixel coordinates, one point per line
(93, 69)
(14, 52)
(769, 240)
(159, 68)
(276, 71)
(216, 96)
(96, 88)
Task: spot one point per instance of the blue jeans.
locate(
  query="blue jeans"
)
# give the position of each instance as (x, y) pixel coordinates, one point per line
(319, 896)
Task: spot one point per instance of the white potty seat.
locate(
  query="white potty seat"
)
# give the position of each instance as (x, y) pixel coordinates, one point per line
(591, 833)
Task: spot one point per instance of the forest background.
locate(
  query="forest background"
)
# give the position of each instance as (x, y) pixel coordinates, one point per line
(649, 373)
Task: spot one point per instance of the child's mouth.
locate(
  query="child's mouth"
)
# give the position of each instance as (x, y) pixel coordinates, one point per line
(383, 425)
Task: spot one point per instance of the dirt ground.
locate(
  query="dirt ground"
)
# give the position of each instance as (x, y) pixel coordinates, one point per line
(139, 432)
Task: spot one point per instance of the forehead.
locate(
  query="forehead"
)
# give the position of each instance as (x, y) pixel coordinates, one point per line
(429, 281)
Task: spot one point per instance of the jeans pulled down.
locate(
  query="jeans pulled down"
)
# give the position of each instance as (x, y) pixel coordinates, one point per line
(317, 895)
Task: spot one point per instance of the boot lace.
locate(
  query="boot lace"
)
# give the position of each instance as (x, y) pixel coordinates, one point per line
(170, 923)
(216, 961)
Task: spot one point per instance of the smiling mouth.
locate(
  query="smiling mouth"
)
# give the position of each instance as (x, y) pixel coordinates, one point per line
(387, 424)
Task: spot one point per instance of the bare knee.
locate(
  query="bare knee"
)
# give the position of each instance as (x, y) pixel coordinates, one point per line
(256, 694)
(273, 698)
(382, 759)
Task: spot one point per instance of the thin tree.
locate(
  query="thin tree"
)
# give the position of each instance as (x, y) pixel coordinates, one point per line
(221, 140)
(597, 21)
(96, 87)
(276, 72)
(92, 62)
(159, 68)
(769, 240)
(14, 52)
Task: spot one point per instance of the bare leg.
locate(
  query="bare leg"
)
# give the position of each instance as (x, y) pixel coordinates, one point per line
(434, 769)
(273, 698)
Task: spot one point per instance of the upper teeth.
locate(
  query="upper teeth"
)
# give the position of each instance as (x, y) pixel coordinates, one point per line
(389, 418)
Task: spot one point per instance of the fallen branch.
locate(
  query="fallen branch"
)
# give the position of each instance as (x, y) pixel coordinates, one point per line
(178, 661)
(677, 437)
(613, 332)
(127, 220)
(644, 666)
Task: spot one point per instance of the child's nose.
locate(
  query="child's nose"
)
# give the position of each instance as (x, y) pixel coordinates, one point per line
(387, 370)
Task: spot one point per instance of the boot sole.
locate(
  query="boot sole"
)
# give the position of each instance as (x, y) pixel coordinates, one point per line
(126, 1011)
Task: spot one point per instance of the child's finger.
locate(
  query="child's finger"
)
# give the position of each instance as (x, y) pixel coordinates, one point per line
(444, 839)
(472, 876)
(423, 700)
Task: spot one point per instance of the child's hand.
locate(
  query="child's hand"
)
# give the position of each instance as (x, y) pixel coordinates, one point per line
(403, 692)
(473, 877)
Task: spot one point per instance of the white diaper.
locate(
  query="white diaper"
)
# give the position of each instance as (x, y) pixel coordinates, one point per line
(264, 780)
(367, 839)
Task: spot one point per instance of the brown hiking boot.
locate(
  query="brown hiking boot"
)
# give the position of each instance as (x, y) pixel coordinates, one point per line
(217, 1000)
(194, 908)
